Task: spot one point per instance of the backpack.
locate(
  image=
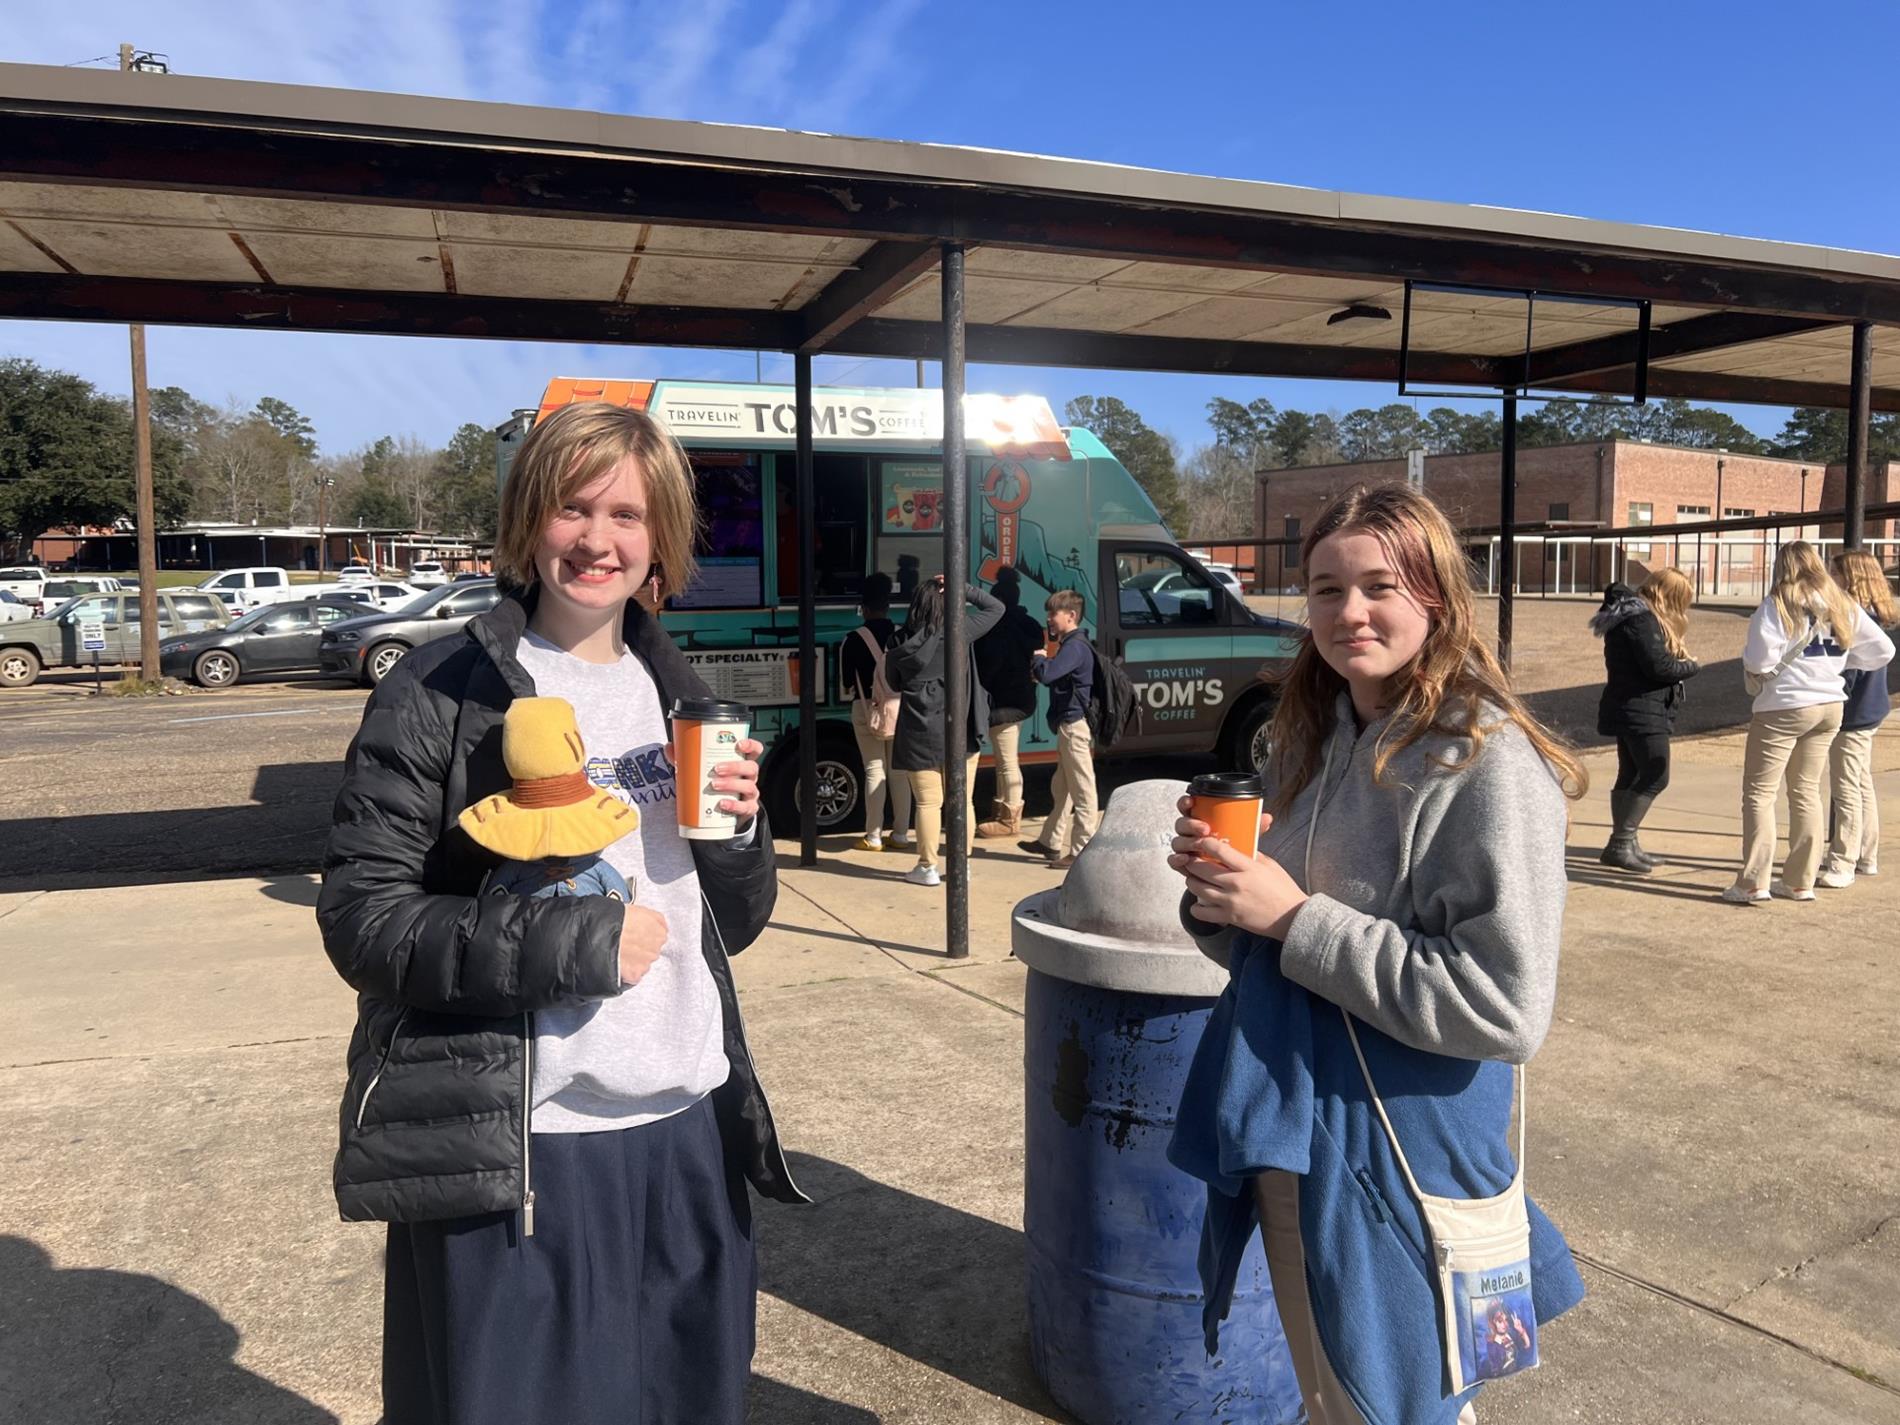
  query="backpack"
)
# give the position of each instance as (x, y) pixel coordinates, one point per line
(881, 707)
(1113, 710)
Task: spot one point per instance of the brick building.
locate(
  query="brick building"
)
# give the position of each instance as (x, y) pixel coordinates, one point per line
(1593, 485)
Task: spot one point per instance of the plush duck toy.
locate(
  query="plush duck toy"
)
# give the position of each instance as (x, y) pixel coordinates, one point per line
(554, 823)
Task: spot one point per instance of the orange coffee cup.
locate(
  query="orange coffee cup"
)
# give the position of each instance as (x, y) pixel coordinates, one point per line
(1052, 647)
(706, 733)
(1229, 802)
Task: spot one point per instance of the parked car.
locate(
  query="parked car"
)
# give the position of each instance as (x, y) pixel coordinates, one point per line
(470, 575)
(26, 648)
(352, 572)
(58, 591)
(276, 638)
(428, 574)
(1225, 576)
(260, 584)
(388, 595)
(25, 581)
(14, 609)
(369, 648)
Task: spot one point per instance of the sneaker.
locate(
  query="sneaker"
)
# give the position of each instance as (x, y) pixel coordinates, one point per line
(1789, 893)
(901, 843)
(1868, 867)
(1741, 895)
(1835, 879)
(1061, 863)
(921, 875)
(869, 843)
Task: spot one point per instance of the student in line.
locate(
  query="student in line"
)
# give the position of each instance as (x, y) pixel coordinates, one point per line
(914, 667)
(1003, 668)
(1855, 847)
(1069, 675)
(1805, 635)
(857, 668)
(1406, 903)
(1645, 666)
(551, 1101)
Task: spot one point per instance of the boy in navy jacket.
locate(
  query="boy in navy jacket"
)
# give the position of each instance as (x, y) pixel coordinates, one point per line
(1069, 674)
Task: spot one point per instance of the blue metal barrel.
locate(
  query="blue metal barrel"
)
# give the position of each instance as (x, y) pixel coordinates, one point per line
(1114, 1299)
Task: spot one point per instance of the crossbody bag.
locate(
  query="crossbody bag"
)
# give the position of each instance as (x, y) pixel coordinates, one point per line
(1753, 683)
(1480, 1247)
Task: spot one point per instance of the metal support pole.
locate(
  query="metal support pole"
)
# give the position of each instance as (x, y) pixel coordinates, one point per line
(1860, 398)
(1507, 523)
(144, 513)
(807, 617)
(956, 656)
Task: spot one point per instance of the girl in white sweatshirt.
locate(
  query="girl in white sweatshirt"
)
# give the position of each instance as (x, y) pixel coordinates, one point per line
(1805, 635)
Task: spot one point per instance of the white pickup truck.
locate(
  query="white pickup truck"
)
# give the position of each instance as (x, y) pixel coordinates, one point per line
(245, 589)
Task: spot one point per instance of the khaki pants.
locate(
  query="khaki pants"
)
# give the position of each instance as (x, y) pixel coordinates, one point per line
(1856, 813)
(875, 753)
(1073, 790)
(1795, 743)
(1277, 1195)
(927, 788)
(1006, 737)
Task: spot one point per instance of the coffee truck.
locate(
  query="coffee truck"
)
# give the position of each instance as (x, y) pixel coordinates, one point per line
(1054, 502)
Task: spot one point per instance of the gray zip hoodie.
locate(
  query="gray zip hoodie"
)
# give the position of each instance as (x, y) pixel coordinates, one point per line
(1437, 897)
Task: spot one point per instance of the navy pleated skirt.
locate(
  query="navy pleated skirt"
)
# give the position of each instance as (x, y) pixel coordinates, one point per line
(632, 1303)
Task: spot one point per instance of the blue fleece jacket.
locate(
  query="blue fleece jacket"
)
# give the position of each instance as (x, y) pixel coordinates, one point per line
(1274, 1084)
(1868, 702)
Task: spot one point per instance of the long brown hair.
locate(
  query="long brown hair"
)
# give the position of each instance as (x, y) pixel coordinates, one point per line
(1860, 574)
(1669, 593)
(1803, 586)
(1445, 687)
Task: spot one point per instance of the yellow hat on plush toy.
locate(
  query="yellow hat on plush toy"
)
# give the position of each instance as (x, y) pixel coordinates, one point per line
(553, 809)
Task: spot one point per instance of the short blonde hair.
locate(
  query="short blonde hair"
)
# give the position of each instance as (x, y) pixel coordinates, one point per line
(568, 452)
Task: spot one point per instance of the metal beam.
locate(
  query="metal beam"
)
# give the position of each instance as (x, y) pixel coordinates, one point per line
(956, 643)
(63, 297)
(1507, 525)
(881, 273)
(455, 173)
(58, 297)
(1860, 386)
(1684, 338)
(807, 613)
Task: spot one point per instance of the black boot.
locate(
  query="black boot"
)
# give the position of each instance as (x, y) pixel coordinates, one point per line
(1639, 805)
(1621, 851)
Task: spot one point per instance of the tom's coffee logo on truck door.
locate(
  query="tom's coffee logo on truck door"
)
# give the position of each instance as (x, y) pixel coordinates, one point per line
(1176, 694)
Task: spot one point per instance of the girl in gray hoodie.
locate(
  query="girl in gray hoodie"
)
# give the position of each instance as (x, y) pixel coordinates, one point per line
(1411, 872)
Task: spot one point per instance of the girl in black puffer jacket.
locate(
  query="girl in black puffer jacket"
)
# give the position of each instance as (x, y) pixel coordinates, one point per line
(1645, 665)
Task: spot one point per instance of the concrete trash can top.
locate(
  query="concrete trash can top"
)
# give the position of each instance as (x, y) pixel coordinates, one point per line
(1114, 922)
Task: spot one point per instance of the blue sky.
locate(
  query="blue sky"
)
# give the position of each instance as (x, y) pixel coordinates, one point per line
(1746, 117)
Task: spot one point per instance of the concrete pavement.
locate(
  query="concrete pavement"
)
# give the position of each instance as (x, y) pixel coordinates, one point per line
(1714, 1122)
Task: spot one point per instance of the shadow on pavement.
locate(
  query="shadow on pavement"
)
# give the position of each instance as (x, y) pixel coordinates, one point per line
(83, 1345)
(771, 1402)
(294, 890)
(931, 1282)
(280, 831)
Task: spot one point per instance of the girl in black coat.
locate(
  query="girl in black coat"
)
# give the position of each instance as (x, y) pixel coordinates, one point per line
(1645, 664)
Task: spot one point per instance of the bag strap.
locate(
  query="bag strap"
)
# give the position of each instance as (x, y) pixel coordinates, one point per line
(1795, 649)
(870, 642)
(1378, 1104)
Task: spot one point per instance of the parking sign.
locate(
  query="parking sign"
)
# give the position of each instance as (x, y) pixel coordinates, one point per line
(92, 635)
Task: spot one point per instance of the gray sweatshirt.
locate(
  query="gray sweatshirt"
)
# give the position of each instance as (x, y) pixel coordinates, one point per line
(1437, 897)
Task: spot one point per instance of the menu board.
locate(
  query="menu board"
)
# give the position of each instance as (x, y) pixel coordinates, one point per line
(757, 677)
(912, 496)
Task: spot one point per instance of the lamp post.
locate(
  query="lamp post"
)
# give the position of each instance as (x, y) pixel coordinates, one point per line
(324, 482)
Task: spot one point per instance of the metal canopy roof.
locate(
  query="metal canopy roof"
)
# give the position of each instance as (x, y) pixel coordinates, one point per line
(161, 198)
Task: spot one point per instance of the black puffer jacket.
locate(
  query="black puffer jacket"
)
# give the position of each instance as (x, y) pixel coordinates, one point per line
(436, 1110)
(1003, 664)
(1643, 681)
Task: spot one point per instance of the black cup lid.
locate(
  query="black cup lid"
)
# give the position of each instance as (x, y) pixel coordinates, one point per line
(711, 710)
(1226, 784)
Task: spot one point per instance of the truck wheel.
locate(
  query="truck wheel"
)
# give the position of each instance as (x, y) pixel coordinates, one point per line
(19, 667)
(216, 669)
(382, 661)
(840, 785)
(1250, 738)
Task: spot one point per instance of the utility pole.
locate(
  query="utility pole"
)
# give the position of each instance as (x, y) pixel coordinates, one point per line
(324, 482)
(144, 514)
